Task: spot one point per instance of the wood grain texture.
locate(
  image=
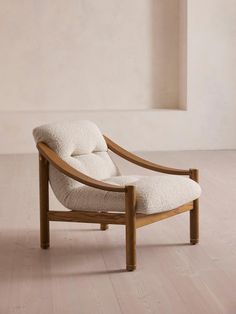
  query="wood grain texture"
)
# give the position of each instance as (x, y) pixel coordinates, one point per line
(86, 216)
(84, 270)
(44, 202)
(143, 220)
(105, 218)
(194, 214)
(71, 172)
(140, 161)
(130, 227)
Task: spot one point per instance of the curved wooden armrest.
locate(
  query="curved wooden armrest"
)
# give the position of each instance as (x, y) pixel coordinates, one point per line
(140, 161)
(71, 172)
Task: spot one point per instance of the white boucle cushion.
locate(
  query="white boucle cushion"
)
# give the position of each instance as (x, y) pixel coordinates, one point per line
(81, 145)
(71, 138)
(154, 194)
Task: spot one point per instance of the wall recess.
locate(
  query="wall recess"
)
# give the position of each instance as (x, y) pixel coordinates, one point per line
(94, 55)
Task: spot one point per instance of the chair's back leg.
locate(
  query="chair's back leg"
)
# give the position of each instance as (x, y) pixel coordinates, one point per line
(130, 200)
(44, 202)
(103, 227)
(194, 213)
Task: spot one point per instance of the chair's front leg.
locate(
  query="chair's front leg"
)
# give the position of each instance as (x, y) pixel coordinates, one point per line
(44, 202)
(194, 213)
(130, 201)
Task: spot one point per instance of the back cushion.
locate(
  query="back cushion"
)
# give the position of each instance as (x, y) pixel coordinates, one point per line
(81, 145)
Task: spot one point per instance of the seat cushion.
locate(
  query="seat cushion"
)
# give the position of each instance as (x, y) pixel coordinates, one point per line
(154, 194)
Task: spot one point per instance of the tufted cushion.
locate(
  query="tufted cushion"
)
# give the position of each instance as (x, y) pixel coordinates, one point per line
(71, 138)
(82, 145)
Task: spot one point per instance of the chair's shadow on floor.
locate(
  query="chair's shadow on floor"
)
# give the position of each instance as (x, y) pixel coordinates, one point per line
(22, 256)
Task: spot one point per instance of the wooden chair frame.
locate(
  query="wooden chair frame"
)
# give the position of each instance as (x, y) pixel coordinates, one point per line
(130, 218)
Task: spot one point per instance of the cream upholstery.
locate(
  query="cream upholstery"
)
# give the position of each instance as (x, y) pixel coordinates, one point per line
(82, 145)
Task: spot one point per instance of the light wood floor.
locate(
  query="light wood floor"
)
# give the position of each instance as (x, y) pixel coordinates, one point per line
(83, 272)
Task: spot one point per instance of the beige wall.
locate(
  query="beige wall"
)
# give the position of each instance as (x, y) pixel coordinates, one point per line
(74, 55)
(59, 57)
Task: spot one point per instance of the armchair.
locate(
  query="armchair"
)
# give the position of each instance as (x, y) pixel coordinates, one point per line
(73, 157)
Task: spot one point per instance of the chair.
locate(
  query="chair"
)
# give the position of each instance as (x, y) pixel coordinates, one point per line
(74, 158)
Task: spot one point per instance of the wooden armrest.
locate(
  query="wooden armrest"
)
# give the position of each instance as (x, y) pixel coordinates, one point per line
(140, 161)
(71, 172)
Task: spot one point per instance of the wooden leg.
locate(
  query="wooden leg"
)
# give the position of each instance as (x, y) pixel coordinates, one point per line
(44, 202)
(194, 223)
(130, 199)
(103, 227)
(194, 214)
